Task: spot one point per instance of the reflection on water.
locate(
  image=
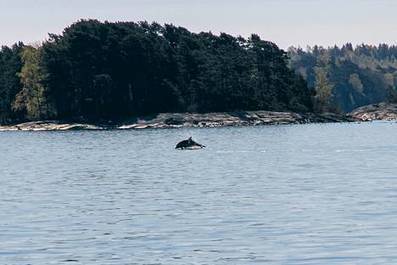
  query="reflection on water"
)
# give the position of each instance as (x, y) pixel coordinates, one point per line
(306, 194)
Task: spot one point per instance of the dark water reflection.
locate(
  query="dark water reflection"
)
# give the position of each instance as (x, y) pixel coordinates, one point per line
(307, 194)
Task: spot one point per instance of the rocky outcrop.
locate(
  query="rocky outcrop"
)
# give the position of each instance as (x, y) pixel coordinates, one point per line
(49, 126)
(179, 120)
(381, 111)
(223, 119)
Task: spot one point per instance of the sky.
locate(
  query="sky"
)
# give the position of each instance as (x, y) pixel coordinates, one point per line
(285, 22)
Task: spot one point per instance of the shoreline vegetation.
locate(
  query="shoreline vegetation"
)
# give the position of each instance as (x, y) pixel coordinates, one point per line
(374, 112)
(102, 71)
(97, 71)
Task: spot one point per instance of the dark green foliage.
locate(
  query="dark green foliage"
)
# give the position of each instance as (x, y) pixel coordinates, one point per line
(356, 76)
(10, 65)
(151, 68)
(110, 71)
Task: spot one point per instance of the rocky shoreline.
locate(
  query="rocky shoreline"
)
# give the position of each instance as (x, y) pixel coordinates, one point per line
(186, 120)
(380, 111)
(374, 112)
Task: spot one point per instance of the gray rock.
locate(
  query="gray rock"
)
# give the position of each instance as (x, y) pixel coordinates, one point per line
(189, 120)
(381, 111)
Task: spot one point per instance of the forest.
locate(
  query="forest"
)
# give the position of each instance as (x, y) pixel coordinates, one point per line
(348, 77)
(101, 71)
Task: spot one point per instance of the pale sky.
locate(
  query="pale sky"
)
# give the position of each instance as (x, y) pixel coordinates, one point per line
(285, 22)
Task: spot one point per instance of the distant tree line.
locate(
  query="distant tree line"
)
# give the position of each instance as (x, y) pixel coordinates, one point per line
(110, 71)
(348, 77)
(105, 71)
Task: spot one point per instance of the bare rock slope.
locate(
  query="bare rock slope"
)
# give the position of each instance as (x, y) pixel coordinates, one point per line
(381, 111)
(179, 120)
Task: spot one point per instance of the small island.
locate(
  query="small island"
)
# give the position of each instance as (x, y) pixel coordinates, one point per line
(126, 75)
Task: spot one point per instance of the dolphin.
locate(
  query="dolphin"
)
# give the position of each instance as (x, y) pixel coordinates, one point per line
(189, 144)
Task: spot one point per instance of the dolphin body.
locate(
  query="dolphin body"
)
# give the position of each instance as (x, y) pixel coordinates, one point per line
(189, 144)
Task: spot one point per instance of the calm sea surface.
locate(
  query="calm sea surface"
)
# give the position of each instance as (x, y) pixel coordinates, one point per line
(304, 194)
